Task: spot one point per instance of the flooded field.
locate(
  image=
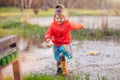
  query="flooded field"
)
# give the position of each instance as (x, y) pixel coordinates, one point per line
(107, 63)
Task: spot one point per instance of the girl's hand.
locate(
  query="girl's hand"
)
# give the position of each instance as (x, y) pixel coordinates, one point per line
(48, 40)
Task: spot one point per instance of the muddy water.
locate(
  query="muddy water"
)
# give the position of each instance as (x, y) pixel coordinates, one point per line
(89, 21)
(107, 63)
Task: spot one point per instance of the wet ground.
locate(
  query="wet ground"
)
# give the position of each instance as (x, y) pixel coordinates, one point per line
(107, 63)
(89, 21)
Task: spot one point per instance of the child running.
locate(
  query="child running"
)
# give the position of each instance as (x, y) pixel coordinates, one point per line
(59, 33)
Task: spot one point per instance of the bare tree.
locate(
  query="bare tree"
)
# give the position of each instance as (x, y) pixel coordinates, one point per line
(28, 3)
(60, 1)
(22, 5)
(15, 2)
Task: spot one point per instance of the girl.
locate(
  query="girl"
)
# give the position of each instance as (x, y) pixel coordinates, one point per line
(59, 34)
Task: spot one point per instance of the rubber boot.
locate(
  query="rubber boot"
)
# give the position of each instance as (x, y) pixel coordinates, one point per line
(59, 67)
(64, 71)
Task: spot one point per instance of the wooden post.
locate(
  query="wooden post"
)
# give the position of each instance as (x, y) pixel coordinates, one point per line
(1, 76)
(16, 70)
(8, 45)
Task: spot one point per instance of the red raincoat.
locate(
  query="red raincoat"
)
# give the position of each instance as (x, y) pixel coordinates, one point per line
(60, 33)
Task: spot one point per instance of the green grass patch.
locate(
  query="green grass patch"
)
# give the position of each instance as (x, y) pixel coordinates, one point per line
(14, 12)
(25, 30)
(96, 34)
(60, 77)
(57, 77)
(84, 12)
(9, 9)
(9, 24)
(22, 29)
(39, 77)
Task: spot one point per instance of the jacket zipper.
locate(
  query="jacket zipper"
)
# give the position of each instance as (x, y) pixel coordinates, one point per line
(60, 33)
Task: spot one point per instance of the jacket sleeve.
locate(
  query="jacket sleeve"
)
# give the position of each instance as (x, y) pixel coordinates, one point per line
(76, 26)
(48, 33)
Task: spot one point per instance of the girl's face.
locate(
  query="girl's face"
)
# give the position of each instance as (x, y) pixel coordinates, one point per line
(60, 19)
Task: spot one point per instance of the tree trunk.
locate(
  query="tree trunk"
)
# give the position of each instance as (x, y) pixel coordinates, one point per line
(30, 3)
(26, 3)
(15, 2)
(22, 6)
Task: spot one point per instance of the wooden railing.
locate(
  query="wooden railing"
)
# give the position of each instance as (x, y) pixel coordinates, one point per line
(9, 55)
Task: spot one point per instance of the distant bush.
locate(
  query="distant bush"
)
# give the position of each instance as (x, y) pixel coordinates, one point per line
(10, 24)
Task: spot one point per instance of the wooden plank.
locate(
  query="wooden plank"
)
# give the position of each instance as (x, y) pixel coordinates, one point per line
(1, 76)
(6, 38)
(5, 44)
(8, 45)
(6, 41)
(17, 70)
(7, 52)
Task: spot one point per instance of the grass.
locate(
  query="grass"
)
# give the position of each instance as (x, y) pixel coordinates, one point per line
(96, 34)
(58, 77)
(51, 77)
(28, 12)
(85, 12)
(15, 12)
(38, 77)
(24, 29)
(9, 9)
(88, 12)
